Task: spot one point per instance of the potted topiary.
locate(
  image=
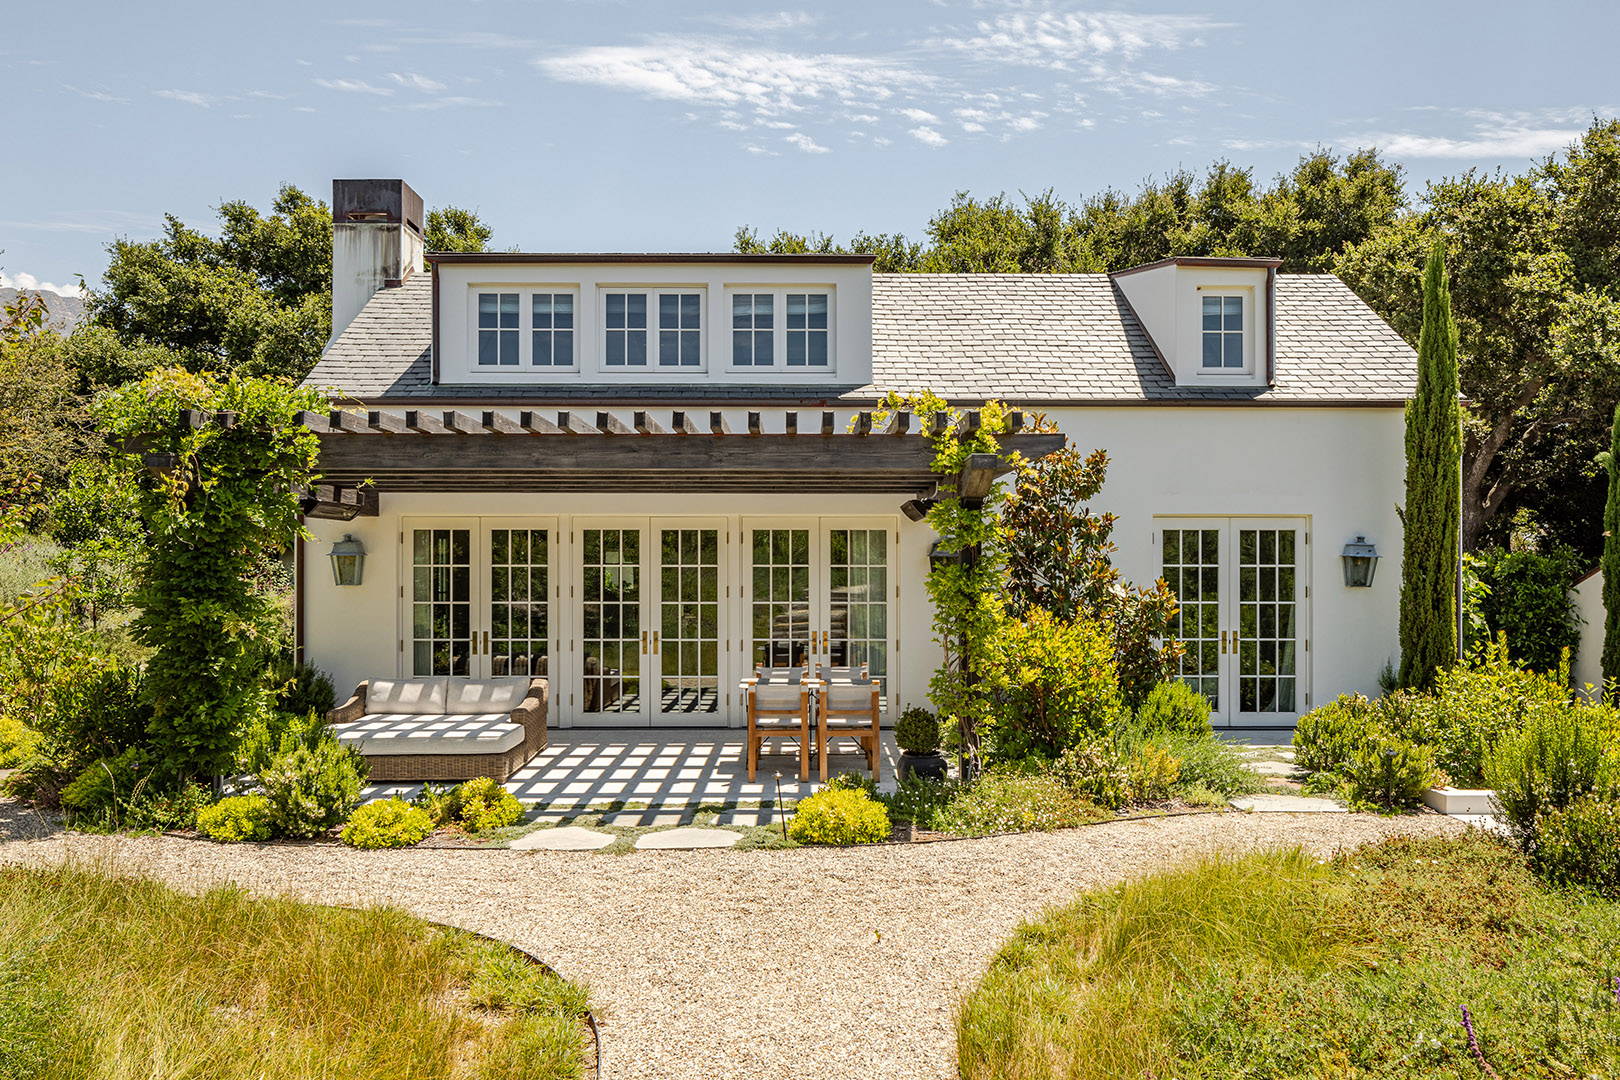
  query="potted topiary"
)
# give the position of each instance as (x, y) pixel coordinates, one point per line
(917, 735)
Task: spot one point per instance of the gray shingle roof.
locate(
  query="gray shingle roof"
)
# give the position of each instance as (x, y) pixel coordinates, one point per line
(1029, 338)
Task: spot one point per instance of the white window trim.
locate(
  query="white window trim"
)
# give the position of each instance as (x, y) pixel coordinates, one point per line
(780, 371)
(1247, 295)
(652, 368)
(525, 370)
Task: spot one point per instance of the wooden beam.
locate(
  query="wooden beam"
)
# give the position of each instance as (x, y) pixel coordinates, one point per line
(535, 424)
(314, 421)
(969, 423)
(338, 420)
(937, 424)
(608, 424)
(754, 423)
(423, 422)
(193, 419)
(791, 422)
(643, 422)
(459, 422)
(683, 423)
(575, 424)
(498, 423)
(1015, 421)
(899, 423)
(386, 422)
(827, 421)
(718, 425)
(225, 420)
(863, 423)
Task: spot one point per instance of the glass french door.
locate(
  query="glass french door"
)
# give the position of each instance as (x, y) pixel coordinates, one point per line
(821, 591)
(650, 622)
(1242, 585)
(480, 595)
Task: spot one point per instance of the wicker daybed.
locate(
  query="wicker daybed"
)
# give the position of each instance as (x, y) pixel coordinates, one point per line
(443, 728)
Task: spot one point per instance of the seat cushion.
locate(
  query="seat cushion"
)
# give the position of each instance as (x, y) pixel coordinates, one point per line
(410, 696)
(418, 733)
(475, 696)
(778, 698)
(844, 696)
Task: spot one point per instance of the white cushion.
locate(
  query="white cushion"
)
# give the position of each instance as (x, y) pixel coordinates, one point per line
(415, 733)
(471, 696)
(415, 696)
(778, 698)
(842, 696)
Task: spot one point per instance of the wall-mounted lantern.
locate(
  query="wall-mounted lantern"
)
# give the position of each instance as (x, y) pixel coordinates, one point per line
(348, 561)
(938, 556)
(1360, 562)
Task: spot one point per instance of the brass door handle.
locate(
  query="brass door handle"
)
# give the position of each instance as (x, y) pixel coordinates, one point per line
(644, 643)
(824, 643)
(655, 643)
(1223, 642)
(486, 642)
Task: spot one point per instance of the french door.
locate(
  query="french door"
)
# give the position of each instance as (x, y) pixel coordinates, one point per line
(650, 610)
(821, 591)
(478, 597)
(1243, 587)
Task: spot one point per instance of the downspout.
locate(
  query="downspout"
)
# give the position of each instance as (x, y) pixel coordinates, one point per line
(1271, 326)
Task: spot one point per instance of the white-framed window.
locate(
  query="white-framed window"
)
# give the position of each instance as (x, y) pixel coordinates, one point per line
(652, 328)
(625, 319)
(680, 329)
(753, 329)
(807, 325)
(497, 329)
(552, 329)
(1222, 333)
(783, 328)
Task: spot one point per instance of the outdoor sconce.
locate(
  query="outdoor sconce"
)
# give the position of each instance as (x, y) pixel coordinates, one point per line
(1360, 561)
(937, 556)
(348, 561)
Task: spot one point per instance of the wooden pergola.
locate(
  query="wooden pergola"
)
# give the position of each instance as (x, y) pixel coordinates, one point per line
(366, 453)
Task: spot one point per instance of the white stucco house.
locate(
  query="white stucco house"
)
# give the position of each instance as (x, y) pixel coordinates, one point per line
(642, 474)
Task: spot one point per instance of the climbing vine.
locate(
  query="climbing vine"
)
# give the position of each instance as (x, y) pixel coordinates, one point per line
(217, 466)
(965, 590)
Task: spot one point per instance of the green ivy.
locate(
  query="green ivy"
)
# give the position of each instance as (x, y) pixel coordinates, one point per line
(232, 495)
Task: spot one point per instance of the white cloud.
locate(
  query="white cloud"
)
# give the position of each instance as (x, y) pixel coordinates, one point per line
(97, 95)
(453, 102)
(1506, 143)
(1063, 39)
(927, 136)
(754, 149)
(806, 143)
(714, 72)
(416, 82)
(864, 118)
(190, 97)
(918, 116)
(765, 23)
(354, 86)
(32, 284)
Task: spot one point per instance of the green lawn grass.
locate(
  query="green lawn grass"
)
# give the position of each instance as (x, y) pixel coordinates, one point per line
(103, 975)
(1277, 965)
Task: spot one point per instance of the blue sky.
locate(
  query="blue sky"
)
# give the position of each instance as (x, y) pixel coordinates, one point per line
(624, 125)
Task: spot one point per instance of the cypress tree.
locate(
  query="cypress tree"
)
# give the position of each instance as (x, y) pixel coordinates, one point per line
(1431, 518)
(1611, 568)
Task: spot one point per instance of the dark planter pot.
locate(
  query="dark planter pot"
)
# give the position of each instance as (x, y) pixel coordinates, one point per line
(928, 766)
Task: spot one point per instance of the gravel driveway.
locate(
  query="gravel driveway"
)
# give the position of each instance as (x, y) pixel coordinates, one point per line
(708, 964)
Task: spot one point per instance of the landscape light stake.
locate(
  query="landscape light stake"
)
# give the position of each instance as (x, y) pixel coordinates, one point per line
(781, 809)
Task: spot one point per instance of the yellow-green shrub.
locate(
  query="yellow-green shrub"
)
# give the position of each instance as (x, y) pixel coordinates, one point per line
(484, 804)
(839, 817)
(1579, 844)
(389, 823)
(18, 741)
(1055, 684)
(240, 817)
(1151, 773)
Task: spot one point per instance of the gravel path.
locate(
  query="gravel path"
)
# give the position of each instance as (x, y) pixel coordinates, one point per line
(709, 964)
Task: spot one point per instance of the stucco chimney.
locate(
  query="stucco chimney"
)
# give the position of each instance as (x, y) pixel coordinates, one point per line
(377, 242)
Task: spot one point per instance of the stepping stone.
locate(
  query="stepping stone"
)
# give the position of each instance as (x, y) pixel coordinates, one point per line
(746, 819)
(687, 839)
(643, 819)
(563, 838)
(1287, 804)
(1273, 768)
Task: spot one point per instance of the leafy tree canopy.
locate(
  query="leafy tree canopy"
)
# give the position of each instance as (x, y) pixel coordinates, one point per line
(450, 228)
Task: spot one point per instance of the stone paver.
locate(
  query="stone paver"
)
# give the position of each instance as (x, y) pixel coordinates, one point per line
(1273, 768)
(1287, 804)
(565, 838)
(688, 839)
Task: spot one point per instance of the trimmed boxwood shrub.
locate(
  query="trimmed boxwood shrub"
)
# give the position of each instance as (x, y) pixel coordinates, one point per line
(390, 823)
(483, 804)
(917, 731)
(238, 818)
(838, 816)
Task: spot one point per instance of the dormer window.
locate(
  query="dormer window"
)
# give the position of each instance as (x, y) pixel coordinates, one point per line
(497, 329)
(1223, 333)
(753, 329)
(553, 330)
(781, 329)
(680, 330)
(807, 329)
(626, 328)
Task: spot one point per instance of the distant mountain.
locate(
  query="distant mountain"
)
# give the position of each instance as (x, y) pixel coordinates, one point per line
(61, 312)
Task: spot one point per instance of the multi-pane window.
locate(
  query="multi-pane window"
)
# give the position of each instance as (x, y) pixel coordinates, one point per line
(518, 602)
(689, 603)
(1268, 619)
(680, 338)
(807, 329)
(553, 323)
(497, 329)
(613, 639)
(441, 601)
(1223, 332)
(1192, 568)
(858, 591)
(781, 601)
(626, 315)
(753, 335)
